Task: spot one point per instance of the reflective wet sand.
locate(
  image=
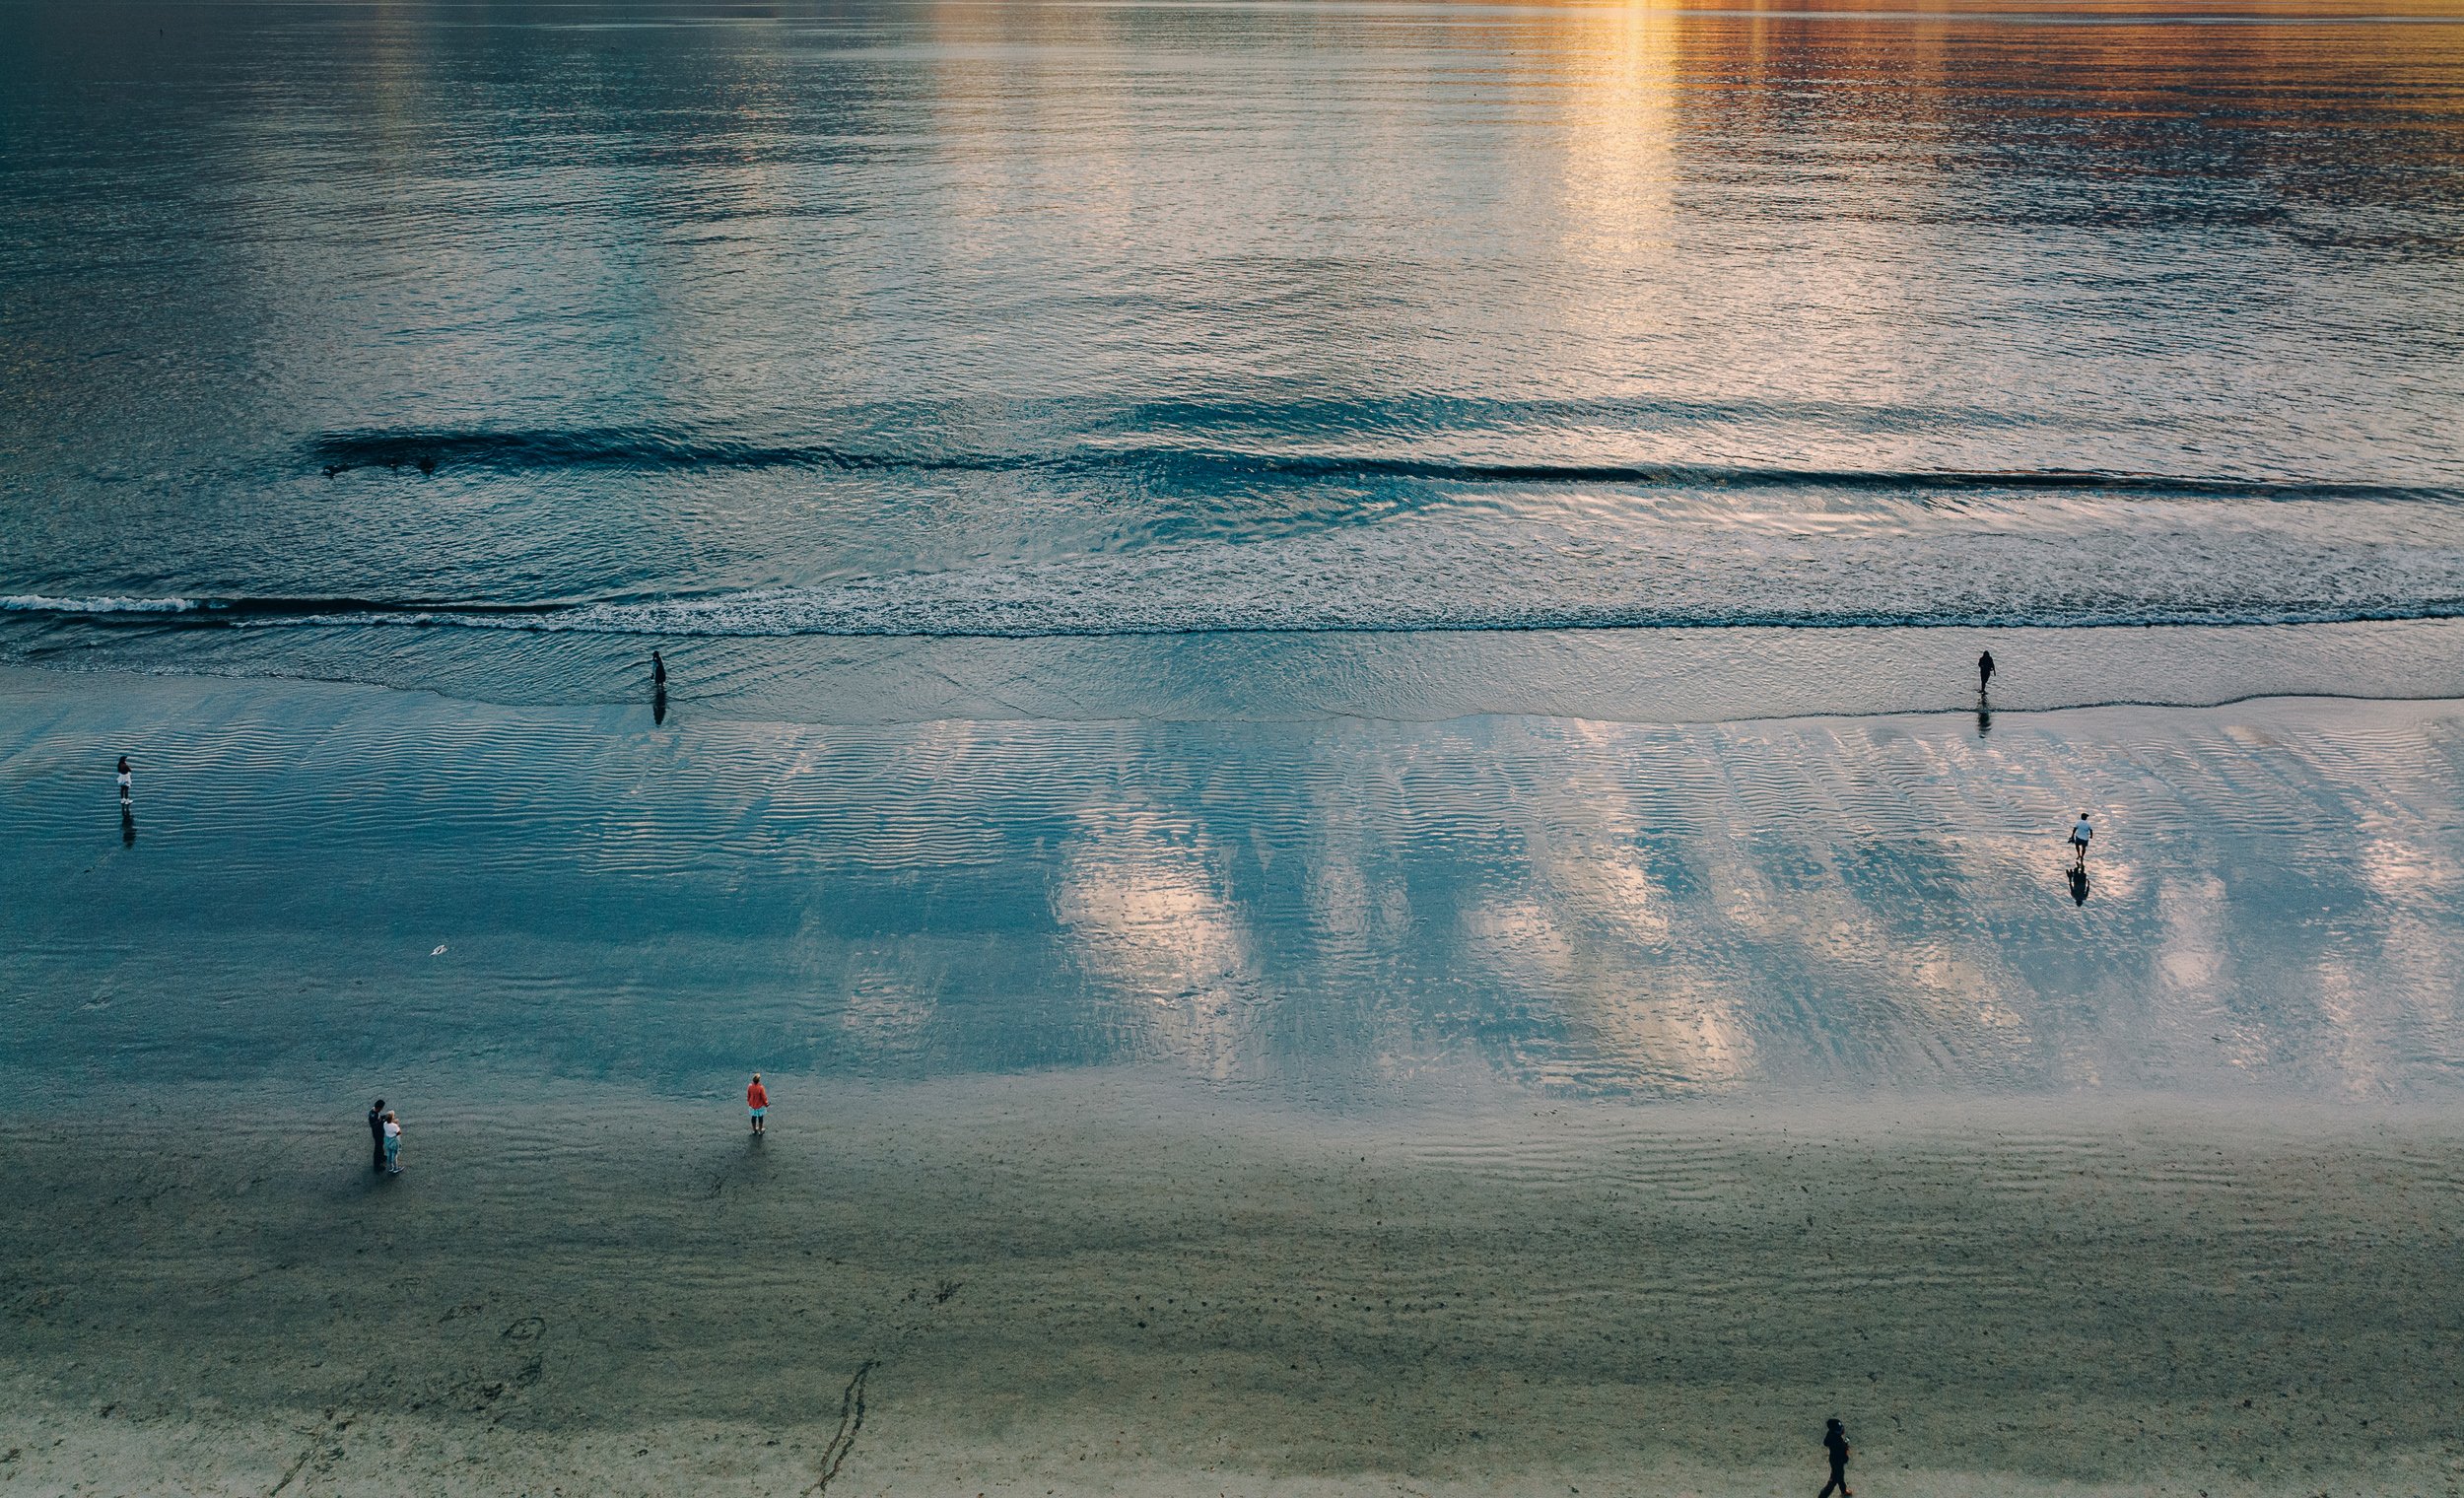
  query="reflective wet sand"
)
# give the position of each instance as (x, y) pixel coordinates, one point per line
(322, 883)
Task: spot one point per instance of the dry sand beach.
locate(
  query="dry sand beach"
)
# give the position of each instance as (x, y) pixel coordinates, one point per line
(1061, 1285)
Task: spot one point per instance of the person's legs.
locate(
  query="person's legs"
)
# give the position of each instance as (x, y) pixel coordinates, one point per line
(1839, 1480)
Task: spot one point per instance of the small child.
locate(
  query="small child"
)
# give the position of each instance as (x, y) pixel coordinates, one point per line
(393, 1144)
(757, 1099)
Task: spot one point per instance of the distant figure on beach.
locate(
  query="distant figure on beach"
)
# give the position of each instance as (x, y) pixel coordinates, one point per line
(2078, 842)
(393, 1144)
(1835, 1445)
(658, 689)
(1984, 670)
(757, 1100)
(659, 670)
(376, 1136)
(124, 778)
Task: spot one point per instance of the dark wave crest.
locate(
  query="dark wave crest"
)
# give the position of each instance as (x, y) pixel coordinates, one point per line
(640, 448)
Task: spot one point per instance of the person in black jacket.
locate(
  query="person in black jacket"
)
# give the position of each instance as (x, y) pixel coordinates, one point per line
(1835, 1445)
(377, 1132)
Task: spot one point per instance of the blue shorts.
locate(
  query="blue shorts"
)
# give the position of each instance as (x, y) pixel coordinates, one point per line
(760, 1112)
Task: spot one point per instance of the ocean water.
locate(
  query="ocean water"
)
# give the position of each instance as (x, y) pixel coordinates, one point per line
(482, 348)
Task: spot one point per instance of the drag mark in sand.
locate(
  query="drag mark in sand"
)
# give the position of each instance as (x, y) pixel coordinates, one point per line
(851, 1420)
(326, 1440)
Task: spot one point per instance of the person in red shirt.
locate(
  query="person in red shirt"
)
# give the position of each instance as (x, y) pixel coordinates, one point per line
(757, 1099)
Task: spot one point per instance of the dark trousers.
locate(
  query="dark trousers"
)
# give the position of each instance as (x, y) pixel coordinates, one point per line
(1839, 1480)
(377, 1149)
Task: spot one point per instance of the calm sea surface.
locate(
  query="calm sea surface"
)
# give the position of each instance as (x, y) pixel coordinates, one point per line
(351, 340)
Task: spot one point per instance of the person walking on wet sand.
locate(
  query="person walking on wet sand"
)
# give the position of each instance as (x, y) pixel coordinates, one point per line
(123, 779)
(757, 1101)
(376, 1136)
(393, 1144)
(1984, 672)
(1835, 1445)
(2078, 842)
(659, 671)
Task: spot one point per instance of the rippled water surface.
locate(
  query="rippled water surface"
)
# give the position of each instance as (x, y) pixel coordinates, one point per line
(328, 324)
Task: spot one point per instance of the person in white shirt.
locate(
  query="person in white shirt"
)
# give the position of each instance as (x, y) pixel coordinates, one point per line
(2078, 842)
(393, 1144)
(123, 777)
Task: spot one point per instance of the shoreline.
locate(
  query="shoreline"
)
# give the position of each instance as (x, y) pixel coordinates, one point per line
(1084, 1284)
(1674, 676)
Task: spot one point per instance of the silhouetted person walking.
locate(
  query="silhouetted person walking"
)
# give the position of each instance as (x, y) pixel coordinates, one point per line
(1984, 670)
(1835, 1445)
(659, 671)
(658, 689)
(2078, 842)
(377, 1135)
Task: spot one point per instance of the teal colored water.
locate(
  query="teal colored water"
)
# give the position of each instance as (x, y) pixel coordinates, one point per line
(331, 324)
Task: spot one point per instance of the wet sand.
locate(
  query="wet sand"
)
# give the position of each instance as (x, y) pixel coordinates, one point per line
(1078, 1283)
(1168, 1108)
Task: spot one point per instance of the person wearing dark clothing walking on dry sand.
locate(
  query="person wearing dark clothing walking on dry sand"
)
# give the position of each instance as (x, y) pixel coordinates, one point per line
(377, 1135)
(1835, 1445)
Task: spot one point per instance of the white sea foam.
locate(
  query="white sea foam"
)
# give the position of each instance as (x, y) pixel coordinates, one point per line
(37, 603)
(1514, 573)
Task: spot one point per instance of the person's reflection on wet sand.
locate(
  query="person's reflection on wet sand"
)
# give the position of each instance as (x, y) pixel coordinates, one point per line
(128, 825)
(1984, 716)
(2079, 885)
